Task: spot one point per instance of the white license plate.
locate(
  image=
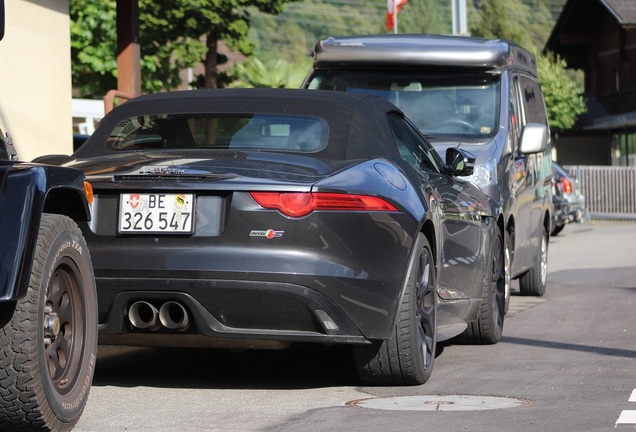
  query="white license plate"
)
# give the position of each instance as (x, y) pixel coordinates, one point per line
(156, 213)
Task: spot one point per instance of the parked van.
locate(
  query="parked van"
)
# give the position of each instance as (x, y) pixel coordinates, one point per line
(478, 94)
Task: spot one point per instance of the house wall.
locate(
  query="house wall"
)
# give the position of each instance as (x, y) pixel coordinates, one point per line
(614, 61)
(35, 77)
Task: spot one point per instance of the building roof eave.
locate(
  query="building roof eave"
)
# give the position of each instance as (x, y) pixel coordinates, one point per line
(613, 122)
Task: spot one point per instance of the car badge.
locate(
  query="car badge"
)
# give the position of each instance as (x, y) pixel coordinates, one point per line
(179, 201)
(270, 233)
(161, 170)
(134, 200)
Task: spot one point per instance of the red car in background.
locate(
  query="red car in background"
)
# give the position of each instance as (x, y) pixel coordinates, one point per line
(570, 191)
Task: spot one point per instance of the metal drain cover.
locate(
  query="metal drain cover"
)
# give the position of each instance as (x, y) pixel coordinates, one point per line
(439, 403)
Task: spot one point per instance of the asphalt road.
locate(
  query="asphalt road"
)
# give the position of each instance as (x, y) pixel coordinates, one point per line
(567, 362)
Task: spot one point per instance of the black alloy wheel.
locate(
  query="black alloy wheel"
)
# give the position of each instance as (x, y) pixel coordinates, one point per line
(489, 325)
(407, 358)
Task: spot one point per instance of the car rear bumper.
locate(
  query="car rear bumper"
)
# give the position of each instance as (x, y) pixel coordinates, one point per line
(315, 303)
(231, 314)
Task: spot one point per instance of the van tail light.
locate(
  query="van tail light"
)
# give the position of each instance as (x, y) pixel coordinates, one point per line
(567, 185)
(298, 204)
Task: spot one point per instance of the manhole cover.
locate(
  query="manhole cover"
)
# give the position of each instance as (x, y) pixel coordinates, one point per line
(438, 403)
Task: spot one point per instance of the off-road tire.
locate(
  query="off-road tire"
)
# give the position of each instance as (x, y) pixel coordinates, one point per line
(407, 357)
(48, 339)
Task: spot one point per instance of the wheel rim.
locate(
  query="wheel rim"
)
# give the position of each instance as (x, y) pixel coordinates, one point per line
(64, 330)
(425, 313)
(507, 277)
(544, 260)
(498, 285)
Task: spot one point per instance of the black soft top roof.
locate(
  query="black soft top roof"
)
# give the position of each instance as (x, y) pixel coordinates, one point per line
(421, 50)
(357, 123)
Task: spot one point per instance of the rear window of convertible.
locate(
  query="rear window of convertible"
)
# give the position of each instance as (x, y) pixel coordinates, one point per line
(273, 132)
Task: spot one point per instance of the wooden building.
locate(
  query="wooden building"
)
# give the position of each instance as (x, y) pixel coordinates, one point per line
(599, 38)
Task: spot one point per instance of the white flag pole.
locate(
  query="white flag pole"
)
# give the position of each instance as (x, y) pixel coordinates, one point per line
(395, 18)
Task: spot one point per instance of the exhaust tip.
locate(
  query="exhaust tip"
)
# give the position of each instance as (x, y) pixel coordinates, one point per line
(143, 315)
(174, 316)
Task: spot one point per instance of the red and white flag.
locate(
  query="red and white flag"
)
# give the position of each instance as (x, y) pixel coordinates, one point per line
(392, 8)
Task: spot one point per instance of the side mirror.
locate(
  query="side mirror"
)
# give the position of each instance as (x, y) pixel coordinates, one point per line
(459, 162)
(534, 138)
(12, 152)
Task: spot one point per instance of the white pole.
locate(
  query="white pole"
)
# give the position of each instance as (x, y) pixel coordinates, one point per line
(395, 19)
(459, 17)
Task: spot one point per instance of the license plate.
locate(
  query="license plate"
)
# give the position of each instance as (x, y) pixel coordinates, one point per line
(141, 213)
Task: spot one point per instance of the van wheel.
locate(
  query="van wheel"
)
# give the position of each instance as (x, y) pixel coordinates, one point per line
(508, 242)
(48, 338)
(533, 282)
(407, 357)
(489, 325)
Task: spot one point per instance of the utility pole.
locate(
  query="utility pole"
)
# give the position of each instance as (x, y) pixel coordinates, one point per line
(460, 27)
(128, 47)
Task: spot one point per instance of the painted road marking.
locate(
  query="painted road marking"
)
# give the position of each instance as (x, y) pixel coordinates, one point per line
(521, 303)
(627, 417)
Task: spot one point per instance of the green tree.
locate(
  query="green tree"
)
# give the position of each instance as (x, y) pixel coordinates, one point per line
(272, 73)
(562, 95)
(540, 23)
(293, 34)
(425, 16)
(174, 35)
(93, 47)
(504, 19)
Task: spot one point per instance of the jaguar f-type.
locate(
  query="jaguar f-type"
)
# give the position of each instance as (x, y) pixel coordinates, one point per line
(262, 218)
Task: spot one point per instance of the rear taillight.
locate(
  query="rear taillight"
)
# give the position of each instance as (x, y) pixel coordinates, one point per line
(567, 185)
(298, 204)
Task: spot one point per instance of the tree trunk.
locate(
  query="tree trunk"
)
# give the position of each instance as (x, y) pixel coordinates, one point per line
(211, 79)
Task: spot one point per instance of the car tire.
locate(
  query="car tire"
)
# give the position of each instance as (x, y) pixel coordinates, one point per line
(557, 229)
(488, 328)
(48, 338)
(533, 282)
(407, 357)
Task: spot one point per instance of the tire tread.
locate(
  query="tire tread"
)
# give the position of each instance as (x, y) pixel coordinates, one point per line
(23, 405)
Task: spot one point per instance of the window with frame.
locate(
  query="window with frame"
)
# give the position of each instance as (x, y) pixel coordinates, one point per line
(412, 146)
(261, 132)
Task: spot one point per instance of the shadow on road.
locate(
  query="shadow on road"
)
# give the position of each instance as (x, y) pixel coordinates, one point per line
(221, 369)
(614, 352)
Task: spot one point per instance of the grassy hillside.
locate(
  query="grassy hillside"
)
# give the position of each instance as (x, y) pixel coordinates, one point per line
(292, 35)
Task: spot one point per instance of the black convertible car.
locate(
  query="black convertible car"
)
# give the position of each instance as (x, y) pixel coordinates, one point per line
(261, 218)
